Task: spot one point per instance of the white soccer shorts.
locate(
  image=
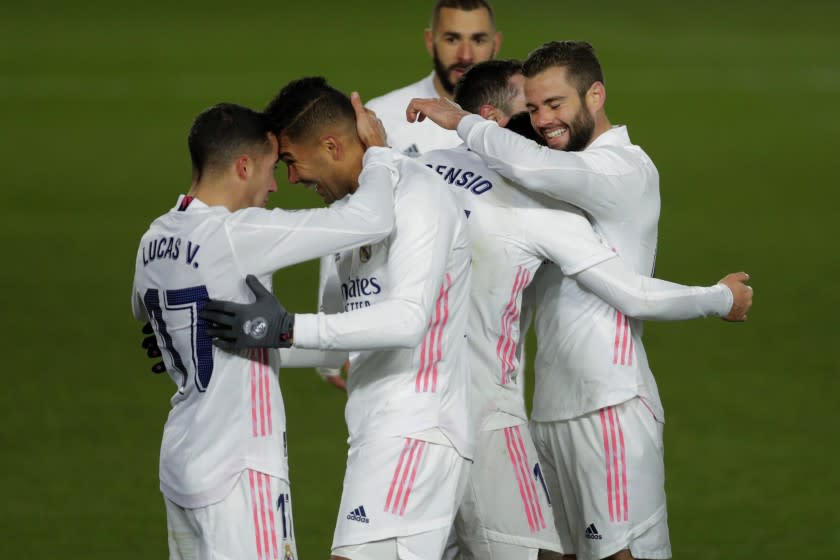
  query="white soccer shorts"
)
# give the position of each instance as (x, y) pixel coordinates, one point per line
(605, 471)
(506, 510)
(253, 522)
(398, 488)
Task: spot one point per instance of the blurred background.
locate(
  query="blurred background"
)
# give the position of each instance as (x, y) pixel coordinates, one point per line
(737, 103)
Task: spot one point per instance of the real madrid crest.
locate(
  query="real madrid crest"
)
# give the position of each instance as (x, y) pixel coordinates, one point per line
(364, 253)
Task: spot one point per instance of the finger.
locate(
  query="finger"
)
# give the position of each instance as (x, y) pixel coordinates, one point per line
(226, 345)
(149, 341)
(218, 306)
(256, 286)
(217, 317)
(358, 106)
(153, 352)
(147, 328)
(223, 332)
(158, 368)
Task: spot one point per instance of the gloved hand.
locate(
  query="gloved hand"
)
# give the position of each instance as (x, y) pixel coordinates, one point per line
(151, 346)
(262, 324)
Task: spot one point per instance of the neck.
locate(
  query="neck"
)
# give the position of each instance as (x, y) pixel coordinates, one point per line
(602, 125)
(216, 192)
(356, 157)
(439, 88)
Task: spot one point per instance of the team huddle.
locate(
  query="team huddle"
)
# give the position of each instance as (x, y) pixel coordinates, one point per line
(458, 209)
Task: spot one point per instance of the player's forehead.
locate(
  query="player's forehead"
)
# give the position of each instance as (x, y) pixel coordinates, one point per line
(551, 82)
(464, 22)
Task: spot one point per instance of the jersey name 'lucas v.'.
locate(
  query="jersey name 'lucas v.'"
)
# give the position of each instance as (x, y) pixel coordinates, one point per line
(169, 248)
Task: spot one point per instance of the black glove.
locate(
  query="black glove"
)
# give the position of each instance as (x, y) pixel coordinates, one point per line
(262, 324)
(151, 346)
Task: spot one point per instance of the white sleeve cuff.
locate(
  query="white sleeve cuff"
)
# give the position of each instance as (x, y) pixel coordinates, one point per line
(307, 333)
(726, 301)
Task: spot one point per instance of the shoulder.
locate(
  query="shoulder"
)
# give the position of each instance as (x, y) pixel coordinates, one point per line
(398, 99)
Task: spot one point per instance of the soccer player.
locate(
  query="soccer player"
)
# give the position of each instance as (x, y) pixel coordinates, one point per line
(462, 33)
(597, 418)
(506, 512)
(223, 465)
(405, 300)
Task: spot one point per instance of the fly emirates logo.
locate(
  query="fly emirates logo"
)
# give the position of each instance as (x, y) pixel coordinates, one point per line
(356, 292)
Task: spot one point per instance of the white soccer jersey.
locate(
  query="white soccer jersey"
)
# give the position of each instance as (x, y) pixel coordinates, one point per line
(584, 364)
(227, 414)
(406, 307)
(411, 139)
(509, 244)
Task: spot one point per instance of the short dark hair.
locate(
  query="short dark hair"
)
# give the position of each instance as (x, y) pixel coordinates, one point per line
(304, 106)
(220, 133)
(578, 57)
(488, 83)
(464, 5)
(520, 123)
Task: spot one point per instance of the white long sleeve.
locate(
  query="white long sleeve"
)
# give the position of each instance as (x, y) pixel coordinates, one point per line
(584, 179)
(267, 241)
(419, 248)
(650, 298)
(305, 358)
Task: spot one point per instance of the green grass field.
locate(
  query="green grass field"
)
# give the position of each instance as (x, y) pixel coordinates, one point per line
(737, 103)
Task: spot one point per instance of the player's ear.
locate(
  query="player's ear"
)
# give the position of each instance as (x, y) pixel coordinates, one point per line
(244, 167)
(429, 38)
(333, 147)
(489, 112)
(596, 96)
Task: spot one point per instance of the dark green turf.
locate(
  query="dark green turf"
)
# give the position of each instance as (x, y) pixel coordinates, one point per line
(737, 103)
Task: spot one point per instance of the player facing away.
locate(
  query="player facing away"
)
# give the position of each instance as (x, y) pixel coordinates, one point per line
(462, 33)
(406, 302)
(506, 512)
(597, 418)
(223, 460)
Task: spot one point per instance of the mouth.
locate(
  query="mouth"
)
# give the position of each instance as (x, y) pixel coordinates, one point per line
(554, 133)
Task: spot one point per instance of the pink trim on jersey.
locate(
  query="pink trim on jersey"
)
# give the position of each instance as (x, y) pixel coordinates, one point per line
(253, 392)
(429, 357)
(624, 334)
(420, 450)
(266, 372)
(614, 443)
(262, 511)
(255, 514)
(618, 316)
(602, 413)
(404, 468)
(623, 468)
(506, 347)
(397, 473)
(531, 486)
(517, 469)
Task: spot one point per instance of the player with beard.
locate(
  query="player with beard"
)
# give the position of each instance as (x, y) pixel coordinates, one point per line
(597, 418)
(462, 33)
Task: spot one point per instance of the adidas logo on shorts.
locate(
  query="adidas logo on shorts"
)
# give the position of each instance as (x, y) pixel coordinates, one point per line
(592, 533)
(359, 515)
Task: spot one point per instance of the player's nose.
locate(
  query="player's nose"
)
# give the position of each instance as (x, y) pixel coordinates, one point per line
(294, 177)
(465, 53)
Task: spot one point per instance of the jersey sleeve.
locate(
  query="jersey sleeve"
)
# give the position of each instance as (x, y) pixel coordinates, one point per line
(579, 178)
(416, 264)
(265, 241)
(565, 238)
(650, 298)
(305, 358)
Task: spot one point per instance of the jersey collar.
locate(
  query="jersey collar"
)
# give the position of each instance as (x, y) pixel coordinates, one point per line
(616, 136)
